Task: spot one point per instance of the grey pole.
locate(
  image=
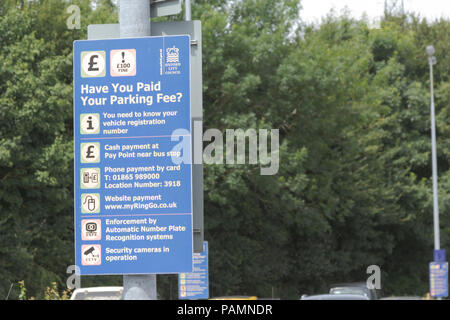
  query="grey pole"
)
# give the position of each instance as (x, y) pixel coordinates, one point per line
(134, 18)
(431, 62)
(134, 21)
(188, 10)
(437, 242)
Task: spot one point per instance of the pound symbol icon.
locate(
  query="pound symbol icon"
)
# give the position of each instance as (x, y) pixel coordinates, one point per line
(93, 64)
(90, 152)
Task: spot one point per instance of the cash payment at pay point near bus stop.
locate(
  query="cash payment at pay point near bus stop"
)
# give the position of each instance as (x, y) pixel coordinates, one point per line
(133, 176)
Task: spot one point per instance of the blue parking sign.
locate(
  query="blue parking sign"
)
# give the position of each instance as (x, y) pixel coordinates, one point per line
(132, 142)
(195, 285)
(439, 279)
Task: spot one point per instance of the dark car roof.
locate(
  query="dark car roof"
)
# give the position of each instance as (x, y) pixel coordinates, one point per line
(402, 298)
(361, 285)
(350, 284)
(336, 297)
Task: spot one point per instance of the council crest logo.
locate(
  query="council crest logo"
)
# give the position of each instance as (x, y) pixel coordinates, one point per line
(172, 55)
(172, 63)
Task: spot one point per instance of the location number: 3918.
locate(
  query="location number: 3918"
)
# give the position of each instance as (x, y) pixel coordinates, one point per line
(172, 183)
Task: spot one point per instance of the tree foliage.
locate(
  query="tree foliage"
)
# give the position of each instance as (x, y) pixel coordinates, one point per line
(352, 106)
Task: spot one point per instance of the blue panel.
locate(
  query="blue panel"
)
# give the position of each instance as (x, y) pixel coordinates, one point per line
(439, 279)
(133, 175)
(439, 255)
(195, 285)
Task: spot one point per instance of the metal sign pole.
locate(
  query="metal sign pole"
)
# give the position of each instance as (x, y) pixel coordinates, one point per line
(437, 244)
(134, 18)
(188, 10)
(134, 21)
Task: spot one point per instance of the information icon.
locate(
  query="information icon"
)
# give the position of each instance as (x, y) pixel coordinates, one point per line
(89, 123)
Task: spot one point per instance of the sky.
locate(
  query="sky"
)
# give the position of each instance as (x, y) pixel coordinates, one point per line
(313, 10)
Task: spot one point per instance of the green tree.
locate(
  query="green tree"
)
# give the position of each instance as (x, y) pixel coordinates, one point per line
(352, 107)
(36, 148)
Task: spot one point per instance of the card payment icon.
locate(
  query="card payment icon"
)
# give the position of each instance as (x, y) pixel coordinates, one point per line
(90, 178)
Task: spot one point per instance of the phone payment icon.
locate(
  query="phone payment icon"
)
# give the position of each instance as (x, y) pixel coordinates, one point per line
(90, 178)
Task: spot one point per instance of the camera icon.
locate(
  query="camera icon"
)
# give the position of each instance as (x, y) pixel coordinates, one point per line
(91, 229)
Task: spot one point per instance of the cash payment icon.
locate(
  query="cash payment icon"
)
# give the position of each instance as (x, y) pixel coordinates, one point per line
(93, 64)
(90, 152)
